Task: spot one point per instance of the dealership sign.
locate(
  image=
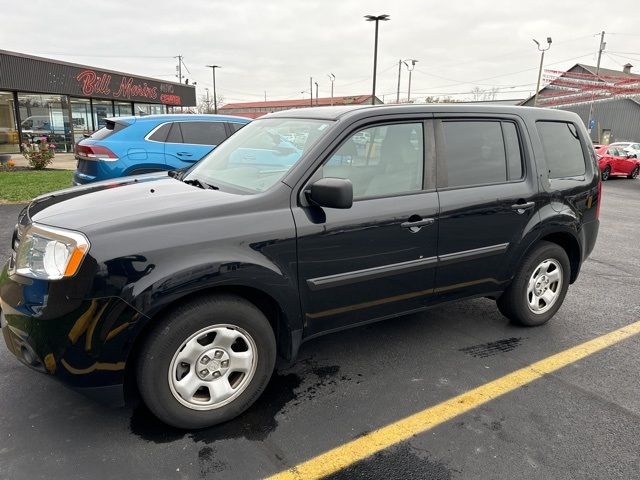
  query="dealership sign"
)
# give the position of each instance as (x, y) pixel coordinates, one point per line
(129, 88)
(26, 73)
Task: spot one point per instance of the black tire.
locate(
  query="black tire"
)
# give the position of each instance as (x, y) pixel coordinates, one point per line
(513, 303)
(606, 173)
(176, 326)
(634, 173)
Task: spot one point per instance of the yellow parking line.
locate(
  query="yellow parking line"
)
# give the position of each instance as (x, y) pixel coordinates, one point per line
(344, 455)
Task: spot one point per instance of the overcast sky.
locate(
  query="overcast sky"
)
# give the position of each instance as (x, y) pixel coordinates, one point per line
(275, 46)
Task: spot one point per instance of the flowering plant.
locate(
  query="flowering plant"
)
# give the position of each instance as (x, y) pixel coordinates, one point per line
(39, 154)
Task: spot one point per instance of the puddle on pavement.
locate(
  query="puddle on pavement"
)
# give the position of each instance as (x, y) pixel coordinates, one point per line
(489, 349)
(286, 389)
(402, 461)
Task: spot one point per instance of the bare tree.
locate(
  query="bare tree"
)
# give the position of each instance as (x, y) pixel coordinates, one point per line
(206, 105)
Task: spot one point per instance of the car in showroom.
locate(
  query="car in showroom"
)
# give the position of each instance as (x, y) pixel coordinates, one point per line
(186, 287)
(143, 144)
(616, 162)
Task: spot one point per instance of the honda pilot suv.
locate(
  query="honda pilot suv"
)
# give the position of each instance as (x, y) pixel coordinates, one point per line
(188, 285)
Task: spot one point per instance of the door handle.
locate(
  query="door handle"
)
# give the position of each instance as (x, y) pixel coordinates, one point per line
(521, 207)
(415, 226)
(184, 154)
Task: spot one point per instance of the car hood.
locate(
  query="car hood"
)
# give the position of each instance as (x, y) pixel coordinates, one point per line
(141, 200)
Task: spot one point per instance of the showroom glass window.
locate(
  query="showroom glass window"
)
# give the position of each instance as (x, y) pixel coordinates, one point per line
(81, 121)
(123, 109)
(9, 140)
(102, 109)
(46, 117)
(149, 109)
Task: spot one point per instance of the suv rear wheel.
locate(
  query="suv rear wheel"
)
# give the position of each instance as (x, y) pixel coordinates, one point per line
(206, 361)
(539, 287)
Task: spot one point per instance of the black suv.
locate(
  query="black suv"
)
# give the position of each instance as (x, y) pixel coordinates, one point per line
(189, 285)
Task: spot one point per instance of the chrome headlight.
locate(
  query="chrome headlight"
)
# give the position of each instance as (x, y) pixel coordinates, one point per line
(50, 253)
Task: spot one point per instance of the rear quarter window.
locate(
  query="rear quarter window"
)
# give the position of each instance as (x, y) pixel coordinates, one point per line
(109, 129)
(562, 149)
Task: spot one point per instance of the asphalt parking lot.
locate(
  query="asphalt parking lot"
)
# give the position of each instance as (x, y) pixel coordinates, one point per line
(582, 421)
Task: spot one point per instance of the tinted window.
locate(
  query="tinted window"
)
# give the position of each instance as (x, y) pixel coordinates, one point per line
(235, 127)
(562, 149)
(160, 135)
(175, 136)
(109, 129)
(474, 153)
(203, 133)
(383, 160)
(514, 155)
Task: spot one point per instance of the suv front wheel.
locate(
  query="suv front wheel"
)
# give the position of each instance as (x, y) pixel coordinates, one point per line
(206, 361)
(539, 287)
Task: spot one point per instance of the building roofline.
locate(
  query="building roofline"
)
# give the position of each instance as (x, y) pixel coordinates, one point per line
(80, 65)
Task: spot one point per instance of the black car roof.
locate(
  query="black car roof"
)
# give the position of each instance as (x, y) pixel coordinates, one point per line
(363, 111)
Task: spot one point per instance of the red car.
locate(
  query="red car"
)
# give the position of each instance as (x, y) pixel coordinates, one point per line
(615, 161)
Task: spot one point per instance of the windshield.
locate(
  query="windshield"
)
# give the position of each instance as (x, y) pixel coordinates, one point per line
(259, 155)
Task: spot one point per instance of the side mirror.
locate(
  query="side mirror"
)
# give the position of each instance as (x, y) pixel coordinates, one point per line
(331, 193)
(633, 155)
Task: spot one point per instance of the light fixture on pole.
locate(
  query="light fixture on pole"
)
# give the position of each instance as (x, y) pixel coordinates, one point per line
(332, 78)
(542, 49)
(215, 98)
(410, 68)
(375, 18)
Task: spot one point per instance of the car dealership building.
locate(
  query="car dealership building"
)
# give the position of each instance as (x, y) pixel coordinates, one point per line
(63, 101)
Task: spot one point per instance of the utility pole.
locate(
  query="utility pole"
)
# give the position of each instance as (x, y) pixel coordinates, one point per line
(215, 96)
(179, 68)
(332, 78)
(377, 19)
(592, 120)
(399, 74)
(316, 93)
(311, 90)
(265, 96)
(535, 99)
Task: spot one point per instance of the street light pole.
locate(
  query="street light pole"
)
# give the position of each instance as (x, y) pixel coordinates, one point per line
(375, 18)
(399, 74)
(591, 106)
(332, 78)
(215, 97)
(535, 99)
(316, 93)
(410, 68)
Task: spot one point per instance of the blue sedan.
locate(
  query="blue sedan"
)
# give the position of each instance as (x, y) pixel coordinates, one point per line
(136, 145)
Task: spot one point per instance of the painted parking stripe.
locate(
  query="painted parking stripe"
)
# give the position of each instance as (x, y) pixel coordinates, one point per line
(351, 452)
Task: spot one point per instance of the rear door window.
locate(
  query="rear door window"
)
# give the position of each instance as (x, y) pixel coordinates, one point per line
(175, 135)
(474, 153)
(562, 149)
(203, 133)
(161, 133)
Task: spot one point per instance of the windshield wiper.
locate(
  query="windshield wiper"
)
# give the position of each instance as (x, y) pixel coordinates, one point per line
(197, 183)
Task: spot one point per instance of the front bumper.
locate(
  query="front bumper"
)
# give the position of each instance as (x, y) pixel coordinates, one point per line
(84, 343)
